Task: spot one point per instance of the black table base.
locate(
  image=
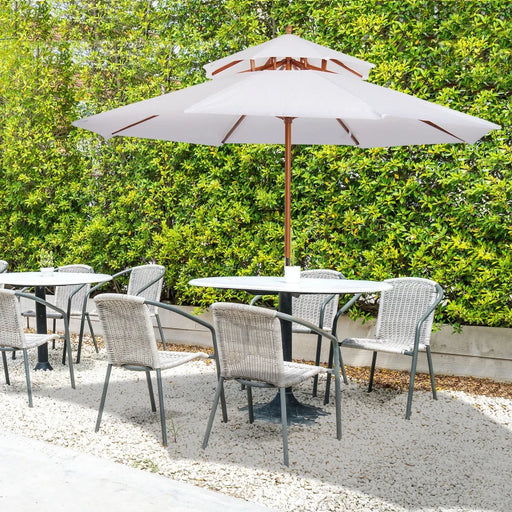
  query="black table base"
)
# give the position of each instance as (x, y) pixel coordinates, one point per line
(42, 350)
(296, 412)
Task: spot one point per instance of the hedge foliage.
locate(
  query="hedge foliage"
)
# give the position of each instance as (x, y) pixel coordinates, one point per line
(441, 212)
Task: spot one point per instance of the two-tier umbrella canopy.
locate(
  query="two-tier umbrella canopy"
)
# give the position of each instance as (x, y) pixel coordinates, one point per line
(302, 96)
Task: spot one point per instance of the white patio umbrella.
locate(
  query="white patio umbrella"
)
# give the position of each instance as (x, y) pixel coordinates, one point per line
(261, 107)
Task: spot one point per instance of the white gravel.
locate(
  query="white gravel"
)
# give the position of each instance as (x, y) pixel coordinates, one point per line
(455, 454)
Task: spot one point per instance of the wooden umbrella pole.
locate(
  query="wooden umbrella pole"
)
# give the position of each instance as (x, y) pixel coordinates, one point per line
(287, 188)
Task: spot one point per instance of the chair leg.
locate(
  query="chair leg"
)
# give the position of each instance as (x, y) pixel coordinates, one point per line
(220, 390)
(80, 338)
(342, 366)
(27, 377)
(161, 403)
(431, 372)
(67, 343)
(6, 370)
(330, 365)
(284, 425)
(250, 407)
(13, 355)
(160, 330)
(103, 397)
(92, 333)
(411, 385)
(372, 371)
(64, 353)
(337, 389)
(151, 394)
(317, 362)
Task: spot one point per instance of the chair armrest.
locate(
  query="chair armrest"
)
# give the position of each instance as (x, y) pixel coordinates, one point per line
(151, 283)
(322, 309)
(174, 309)
(313, 328)
(94, 288)
(255, 299)
(343, 309)
(70, 298)
(440, 295)
(48, 305)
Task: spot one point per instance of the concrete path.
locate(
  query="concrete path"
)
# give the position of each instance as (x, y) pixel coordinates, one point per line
(40, 476)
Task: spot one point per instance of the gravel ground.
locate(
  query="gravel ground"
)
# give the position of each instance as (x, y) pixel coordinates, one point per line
(455, 454)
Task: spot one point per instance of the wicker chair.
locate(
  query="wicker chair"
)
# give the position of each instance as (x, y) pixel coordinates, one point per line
(404, 325)
(317, 309)
(131, 344)
(13, 337)
(69, 299)
(3, 268)
(145, 281)
(250, 351)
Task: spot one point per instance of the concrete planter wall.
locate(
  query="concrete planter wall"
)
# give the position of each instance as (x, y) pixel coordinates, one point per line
(476, 351)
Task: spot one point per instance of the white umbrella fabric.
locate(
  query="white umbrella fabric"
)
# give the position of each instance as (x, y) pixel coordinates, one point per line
(288, 52)
(323, 107)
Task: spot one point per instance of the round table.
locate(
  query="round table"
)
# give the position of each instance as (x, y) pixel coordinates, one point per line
(273, 285)
(41, 280)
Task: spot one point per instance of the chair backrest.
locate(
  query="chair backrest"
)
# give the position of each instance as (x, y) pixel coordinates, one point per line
(11, 322)
(3, 268)
(308, 305)
(62, 293)
(127, 330)
(143, 275)
(248, 342)
(402, 307)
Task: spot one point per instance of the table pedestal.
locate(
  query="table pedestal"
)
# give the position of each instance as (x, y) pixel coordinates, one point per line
(42, 350)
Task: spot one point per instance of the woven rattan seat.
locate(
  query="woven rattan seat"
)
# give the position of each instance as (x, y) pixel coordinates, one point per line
(145, 281)
(131, 343)
(404, 326)
(250, 350)
(13, 337)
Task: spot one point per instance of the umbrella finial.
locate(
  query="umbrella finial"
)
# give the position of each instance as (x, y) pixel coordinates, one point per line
(289, 29)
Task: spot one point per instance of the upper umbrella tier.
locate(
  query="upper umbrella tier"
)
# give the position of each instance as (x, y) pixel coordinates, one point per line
(288, 52)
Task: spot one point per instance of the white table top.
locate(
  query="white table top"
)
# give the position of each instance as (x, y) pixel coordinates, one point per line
(279, 284)
(51, 278)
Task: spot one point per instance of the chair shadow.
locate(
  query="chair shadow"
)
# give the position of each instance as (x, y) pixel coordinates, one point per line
(450, 455)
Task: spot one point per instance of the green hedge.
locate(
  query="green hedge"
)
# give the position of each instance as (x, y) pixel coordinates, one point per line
(441, 212)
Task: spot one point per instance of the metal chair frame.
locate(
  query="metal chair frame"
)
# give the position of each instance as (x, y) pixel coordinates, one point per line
(413, 353)
(249, 383)
(44, 339)
(148, 369)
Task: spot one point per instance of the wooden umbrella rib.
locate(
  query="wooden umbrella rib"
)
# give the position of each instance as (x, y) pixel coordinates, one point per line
(434, 125)
(233, 128)
(134, 124)
(350, 134)
(227, 66)
(344, 66)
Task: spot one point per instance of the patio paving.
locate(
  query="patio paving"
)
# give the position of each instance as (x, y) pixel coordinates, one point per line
(35, 475)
